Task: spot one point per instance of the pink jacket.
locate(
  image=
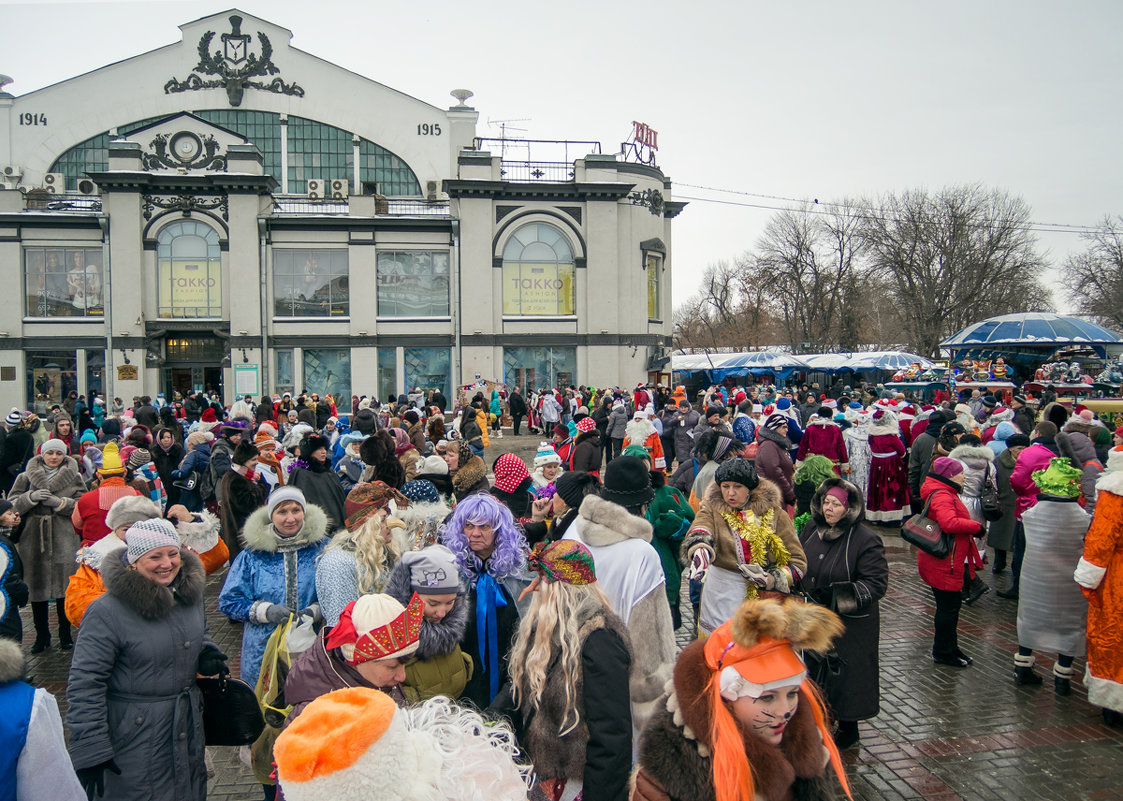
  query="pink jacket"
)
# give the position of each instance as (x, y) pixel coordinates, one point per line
(1035, 457)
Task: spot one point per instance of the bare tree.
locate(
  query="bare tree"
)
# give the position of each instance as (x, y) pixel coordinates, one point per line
(952, 258)
(1095, 277)
(727, 312)
(807, 267)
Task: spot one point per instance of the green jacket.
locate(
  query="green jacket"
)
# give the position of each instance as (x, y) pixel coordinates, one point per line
(446, 674)
(666, 513)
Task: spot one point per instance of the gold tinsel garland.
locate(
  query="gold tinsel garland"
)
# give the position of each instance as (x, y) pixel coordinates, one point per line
(761, 536)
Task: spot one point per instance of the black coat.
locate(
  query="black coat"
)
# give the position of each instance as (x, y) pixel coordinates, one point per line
(850, 554)
(238, 499)
(166, 462)
(517, 404)
(322, 487)
(17, 449)
(587, 452)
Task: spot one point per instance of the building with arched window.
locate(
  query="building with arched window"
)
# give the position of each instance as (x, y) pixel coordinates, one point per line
(229, 212)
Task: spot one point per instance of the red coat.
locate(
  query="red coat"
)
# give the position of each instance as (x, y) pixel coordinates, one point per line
(953, 518)
(823, 437)
(89, 512)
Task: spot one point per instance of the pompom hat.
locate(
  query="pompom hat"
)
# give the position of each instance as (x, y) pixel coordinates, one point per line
(111, 461)
(546, 455)
(14, 418)
(147, 535)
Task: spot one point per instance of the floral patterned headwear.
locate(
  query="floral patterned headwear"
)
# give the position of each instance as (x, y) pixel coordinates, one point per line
(567, 561)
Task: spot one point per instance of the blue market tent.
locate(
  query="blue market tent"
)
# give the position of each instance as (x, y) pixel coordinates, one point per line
(889, 360)
(719, 366)
(1030, 336)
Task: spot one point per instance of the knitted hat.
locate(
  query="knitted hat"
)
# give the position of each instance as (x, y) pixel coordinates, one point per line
(377, 627)
(1020, 399)
(264, 441)
(208, 416)
(147, 535)
(740, 471)
(567, 561)
(1060, 478)
(989, 402)
(281, 495)
(139, 457)
(712, 410)
(510, 472)
(5, 505)
(367, 498)
(783, 404)
(14, 418)
(54, 445)
(411, 416)
(775, 420)
(88, 436)
(432, 466)
(432, 570)
(561, 428)
(575, 485)
(626, 482)
(111, 461)
(946, 468)
(131, 509)
(546, 455)
(195, 438)
(586, 424)
(421, 490)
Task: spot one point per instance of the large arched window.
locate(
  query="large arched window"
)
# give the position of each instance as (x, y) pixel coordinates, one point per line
(189, 271)
(539, 275)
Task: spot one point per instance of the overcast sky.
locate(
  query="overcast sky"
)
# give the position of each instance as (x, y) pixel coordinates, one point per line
(786, 99)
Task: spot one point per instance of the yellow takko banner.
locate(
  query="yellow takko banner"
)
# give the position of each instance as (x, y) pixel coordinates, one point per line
(190, 284)
(538, 289)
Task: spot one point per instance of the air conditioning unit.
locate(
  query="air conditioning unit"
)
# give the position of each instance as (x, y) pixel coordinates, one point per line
(54, 182)
(339, 189)
(315, 189)
(12, 171)
(87, 187)
(432, 190)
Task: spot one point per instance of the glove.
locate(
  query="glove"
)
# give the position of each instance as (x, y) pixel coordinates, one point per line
(92, 778)
(313, 612)
(699, 563)
(758, 576)
(18, 592)
(212, 662)
(52, 502)
(277, 613)
(40, 495)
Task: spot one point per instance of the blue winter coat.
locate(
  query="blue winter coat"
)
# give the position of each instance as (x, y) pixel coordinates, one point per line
(260, 576)
(198, 458)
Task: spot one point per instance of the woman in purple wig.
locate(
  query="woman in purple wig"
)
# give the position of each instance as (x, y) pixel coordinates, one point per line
(491, 552)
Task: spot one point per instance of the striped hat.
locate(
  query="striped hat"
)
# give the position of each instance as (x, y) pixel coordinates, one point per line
(147, 535)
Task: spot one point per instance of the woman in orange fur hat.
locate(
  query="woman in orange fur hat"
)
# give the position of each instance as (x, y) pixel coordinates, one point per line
(742, 720)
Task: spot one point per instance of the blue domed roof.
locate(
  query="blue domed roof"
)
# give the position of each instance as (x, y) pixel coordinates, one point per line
(1033, 328)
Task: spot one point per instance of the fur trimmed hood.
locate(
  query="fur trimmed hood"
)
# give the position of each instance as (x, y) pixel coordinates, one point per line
(470, 477)
(436, 638)
(147, 598)
(606, 523)
(766, 496)
(821, 421)
(201, 535)
(888, 424)
(13, 666)
(856, 506)
(763, 433)
(257, 535)
(92, 555)
(1077, 447)
(976, 456)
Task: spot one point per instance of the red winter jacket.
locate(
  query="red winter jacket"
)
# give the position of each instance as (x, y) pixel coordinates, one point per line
(953, 518)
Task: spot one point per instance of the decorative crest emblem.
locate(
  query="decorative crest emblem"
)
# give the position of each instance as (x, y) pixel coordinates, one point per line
(235, 66)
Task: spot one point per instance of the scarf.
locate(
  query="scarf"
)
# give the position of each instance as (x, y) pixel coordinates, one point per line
(757, 537)
(244, 472)
(488, 599)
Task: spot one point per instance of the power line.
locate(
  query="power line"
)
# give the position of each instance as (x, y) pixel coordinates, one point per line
(1037, 227)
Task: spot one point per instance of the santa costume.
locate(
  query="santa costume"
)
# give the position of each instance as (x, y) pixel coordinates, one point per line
(887, 498)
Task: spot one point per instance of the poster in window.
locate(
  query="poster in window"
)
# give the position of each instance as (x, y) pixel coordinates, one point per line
(538, 289)
(413, 283)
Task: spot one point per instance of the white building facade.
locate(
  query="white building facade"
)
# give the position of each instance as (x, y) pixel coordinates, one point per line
(232, 213)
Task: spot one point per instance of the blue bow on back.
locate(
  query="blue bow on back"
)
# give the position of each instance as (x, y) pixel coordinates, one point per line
(488, 599)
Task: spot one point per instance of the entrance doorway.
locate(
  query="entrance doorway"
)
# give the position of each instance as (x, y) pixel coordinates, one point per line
(192, 363)
(184, 380)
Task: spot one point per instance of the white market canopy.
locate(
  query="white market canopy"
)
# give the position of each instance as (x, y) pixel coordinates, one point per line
(890, 360)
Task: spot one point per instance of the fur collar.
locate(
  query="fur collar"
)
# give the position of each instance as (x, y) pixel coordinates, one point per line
(975, 455)
(436, 639)
(64, 479)
(889, 426)
(605, 523)
(257, 535)
(1111, 482)
(585, 436)
(467, 477)
(199, 536)
(821, 421)
(147, 598)
(92, 555)
(766, 496)
(770, 435)
(12, 663)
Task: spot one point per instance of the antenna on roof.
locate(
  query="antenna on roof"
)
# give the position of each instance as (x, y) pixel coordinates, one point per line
(504, 126)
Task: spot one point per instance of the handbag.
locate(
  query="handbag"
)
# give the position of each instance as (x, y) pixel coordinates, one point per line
(188, 482)
(988, 499)
(923, 532)
(231, 712)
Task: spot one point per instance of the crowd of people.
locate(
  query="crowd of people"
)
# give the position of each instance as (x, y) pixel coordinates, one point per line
(518, 618)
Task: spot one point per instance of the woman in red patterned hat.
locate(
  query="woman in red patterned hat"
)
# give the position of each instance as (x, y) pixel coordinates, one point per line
(569, 670)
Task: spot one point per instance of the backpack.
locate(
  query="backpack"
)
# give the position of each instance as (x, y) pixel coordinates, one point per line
(205, 487)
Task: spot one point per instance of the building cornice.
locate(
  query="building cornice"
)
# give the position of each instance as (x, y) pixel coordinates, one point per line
(509, 190)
